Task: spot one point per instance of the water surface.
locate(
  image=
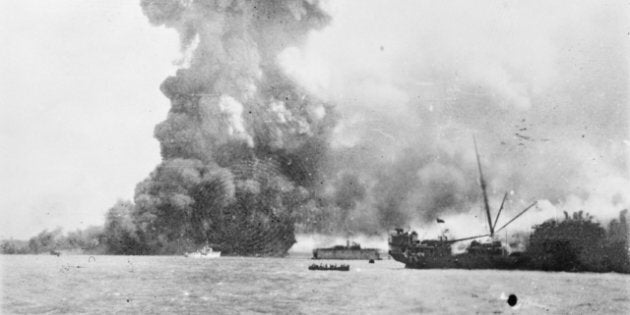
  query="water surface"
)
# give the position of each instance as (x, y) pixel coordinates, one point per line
(42, 284)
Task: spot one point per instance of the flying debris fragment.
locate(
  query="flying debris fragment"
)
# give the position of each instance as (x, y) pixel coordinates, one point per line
(522, 136)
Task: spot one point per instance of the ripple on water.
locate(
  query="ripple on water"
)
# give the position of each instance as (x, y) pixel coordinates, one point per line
(105, 284)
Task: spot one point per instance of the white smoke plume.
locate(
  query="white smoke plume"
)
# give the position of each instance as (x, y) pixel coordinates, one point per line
(543, 86)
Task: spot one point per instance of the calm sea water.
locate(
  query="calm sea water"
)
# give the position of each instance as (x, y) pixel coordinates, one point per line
(229, 285)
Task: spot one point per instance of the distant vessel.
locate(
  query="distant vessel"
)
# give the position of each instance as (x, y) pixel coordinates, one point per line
(329, 267)
(347, 252)
(405, 246)
(205, 252)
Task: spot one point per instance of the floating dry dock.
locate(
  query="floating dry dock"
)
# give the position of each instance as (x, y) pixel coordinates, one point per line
(347, 252)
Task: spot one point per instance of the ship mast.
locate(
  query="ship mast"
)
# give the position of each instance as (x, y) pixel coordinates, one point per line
(483, 189)
(491, 225)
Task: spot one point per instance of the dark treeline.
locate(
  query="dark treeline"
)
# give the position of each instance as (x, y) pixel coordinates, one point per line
(577, 243)
(87, 241)
(130, 232)
(117, 237)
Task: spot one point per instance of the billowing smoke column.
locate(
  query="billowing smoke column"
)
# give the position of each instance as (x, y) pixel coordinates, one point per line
(546, 96)
(241, 145)
(250, 158)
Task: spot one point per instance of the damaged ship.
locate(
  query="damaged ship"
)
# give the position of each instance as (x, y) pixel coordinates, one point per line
(405, 246)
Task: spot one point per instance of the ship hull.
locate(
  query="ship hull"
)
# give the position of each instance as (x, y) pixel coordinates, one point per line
(206, 256)
(462, 261)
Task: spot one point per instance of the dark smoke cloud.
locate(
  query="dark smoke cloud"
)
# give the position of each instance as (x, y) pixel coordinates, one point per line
(242, 145)
(250, 157)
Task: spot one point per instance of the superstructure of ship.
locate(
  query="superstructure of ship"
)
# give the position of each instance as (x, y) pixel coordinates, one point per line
(405, 247)
(347, 252)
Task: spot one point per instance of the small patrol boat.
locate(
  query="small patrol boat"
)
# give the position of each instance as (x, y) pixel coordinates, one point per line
(205, 252)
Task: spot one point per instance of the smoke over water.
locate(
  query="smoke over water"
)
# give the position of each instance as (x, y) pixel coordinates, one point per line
(545, 94)
(254, 152)
(242, 144)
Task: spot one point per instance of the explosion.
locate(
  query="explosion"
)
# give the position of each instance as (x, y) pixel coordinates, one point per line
(241, 144)
(254, 153)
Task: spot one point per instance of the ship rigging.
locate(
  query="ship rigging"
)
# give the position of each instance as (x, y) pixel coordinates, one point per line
(406, 248)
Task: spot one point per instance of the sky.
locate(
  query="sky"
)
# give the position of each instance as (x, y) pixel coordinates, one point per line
(543, 85)
(80, 97)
